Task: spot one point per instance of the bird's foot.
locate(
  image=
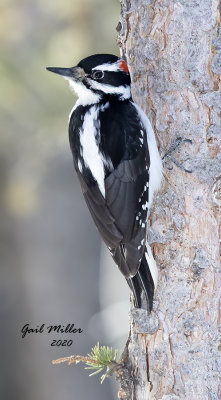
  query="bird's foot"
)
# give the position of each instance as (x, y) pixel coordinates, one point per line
(169, 154)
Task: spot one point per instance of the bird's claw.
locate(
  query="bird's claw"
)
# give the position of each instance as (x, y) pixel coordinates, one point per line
(174, 146)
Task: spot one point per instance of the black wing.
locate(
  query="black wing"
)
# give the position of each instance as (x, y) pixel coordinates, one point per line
(121, 216)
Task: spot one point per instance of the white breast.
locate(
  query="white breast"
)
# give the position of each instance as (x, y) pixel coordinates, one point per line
(156, 169)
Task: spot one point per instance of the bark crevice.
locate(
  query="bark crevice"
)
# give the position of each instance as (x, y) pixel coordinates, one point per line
(173, 52)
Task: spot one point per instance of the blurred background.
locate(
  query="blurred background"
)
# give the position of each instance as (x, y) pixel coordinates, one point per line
(54, 269)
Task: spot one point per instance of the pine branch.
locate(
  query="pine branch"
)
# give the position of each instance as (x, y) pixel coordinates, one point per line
(101, 357)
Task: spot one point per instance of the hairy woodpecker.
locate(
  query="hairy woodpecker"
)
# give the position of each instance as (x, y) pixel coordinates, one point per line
(117, 162)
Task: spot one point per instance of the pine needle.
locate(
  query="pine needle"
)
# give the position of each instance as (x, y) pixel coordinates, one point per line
(101, 357)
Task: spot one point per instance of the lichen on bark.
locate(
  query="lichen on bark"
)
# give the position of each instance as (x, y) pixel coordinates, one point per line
(173, 50)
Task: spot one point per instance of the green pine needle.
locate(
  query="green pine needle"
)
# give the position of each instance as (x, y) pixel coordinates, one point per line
(101, 357)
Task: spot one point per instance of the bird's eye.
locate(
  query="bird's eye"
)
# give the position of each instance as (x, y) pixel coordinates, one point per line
(98, 74)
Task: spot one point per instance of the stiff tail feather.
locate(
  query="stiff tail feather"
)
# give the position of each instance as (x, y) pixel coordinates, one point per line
(145, 280)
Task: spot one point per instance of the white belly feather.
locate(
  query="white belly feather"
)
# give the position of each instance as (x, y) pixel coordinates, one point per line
(156, 169)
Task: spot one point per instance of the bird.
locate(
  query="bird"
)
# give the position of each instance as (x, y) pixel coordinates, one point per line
(117, 161)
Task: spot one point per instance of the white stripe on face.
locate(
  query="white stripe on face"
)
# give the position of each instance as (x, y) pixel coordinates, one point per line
(123, 91)
(107, 67)
(86, 96)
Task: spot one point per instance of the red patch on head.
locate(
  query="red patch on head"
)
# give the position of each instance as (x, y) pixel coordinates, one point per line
(123, 65)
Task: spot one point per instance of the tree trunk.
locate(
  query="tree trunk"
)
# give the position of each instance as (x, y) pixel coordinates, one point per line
(173, 52)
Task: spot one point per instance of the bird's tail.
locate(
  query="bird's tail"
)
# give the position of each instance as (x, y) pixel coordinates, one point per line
(145, 280)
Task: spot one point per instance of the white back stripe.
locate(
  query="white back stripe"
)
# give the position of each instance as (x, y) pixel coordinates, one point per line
(90, 152)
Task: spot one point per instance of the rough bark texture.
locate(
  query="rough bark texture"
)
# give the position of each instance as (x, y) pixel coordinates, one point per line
(173, 52)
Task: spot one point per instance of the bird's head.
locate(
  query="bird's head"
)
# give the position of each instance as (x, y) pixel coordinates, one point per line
(98, 76)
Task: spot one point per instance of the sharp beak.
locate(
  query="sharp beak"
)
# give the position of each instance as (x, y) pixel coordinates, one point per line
(74, 72)
(61, 71)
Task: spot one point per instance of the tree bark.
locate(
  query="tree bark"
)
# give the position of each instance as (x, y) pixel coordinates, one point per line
(173, 52)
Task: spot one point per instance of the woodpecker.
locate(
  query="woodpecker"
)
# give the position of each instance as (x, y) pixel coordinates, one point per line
(118, 165)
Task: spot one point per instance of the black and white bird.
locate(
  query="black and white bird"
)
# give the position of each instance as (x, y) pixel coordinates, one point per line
(118, 164)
